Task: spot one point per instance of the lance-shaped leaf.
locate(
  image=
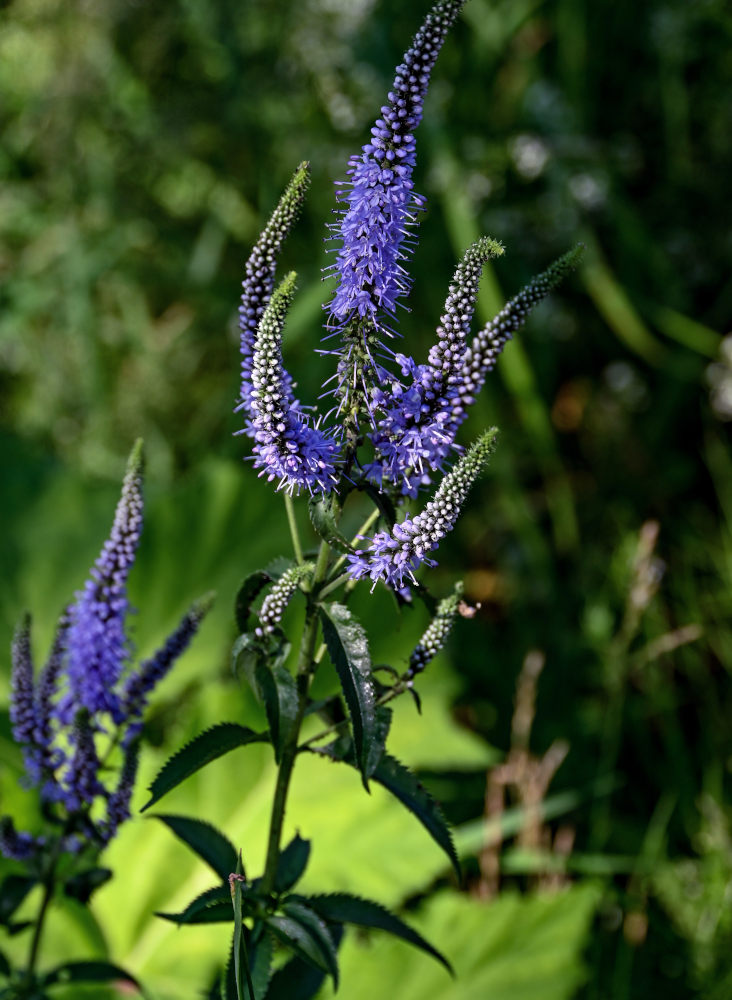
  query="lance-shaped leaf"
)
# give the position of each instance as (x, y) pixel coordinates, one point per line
(249, 590)
(322, 515)
(306, 935)
(403, 784)
(208, 746)
(342, 908)
(299, 980)
(349, 652)
(4, 966)
(276, 687)
(88, 972)
(291, 863)
(83, 884)
(260, 948)
(242, 971)
(206, 841)
(13, 890)
(211, 907)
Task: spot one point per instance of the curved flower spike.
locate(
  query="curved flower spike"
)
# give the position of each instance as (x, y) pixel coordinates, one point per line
(417, 427)
(483, 353)
(379, 200)
(96, 640)
(260, 271)
(436, 634)
(276, 601)
(394, 556)
(286, 448)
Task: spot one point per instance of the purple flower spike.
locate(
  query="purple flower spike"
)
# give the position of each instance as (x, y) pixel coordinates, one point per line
(14, 844)
(416, 426)
(139, 684)
(286, 447)
(482, 355)
(79, 781)
(22, 699)
(118, 804)
(96, 640)
(395, 556)
(379, 200)
(260, 272)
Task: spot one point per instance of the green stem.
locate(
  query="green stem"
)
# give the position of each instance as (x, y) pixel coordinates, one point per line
(289, 751)
(368, 523)
(49, 884)
(294, 533)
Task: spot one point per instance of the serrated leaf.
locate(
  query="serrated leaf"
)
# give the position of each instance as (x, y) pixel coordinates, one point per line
(205, 840)
(404, 785)
(318, 929)
(82, 885)
(299, 980)
(323, 520)
(291, 863)
(299, 940)
(210, 907)
(88, 972)
(248, 591)
(209, 745)
(278, 691)
(342, 908)
(348, 649)
(13, 890)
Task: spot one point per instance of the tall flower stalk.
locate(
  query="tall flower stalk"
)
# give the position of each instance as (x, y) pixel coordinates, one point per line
(391, 434)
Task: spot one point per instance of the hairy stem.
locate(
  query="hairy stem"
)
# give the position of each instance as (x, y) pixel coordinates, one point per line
(305, 665)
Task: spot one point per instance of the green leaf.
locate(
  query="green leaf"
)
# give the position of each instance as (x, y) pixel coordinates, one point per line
(299, 980)
(4, 966)
(300, 940)
(240, 946)
(88, 972)
(208, 746)
(82, 885)
(206, 841)
(211, 907)
(308, 919)
(323, 520)
(400, 781)
(349, 652)
(291, 863)
(343, 908)
(278, 691)
(13, 890)
(247, 594)
(260, 949)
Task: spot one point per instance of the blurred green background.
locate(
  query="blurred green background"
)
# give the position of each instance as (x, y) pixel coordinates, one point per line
(142, 147)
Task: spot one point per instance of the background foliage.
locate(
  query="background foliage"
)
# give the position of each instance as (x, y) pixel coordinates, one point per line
(142, 147)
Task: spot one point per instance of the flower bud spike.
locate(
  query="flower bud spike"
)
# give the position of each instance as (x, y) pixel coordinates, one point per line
(417, 423)
(486, 347)
(379, 200)
(260, 272)
(436, 633)
(96, 639)
(23, 712)
(118, 803)
(276, 601)
(395, 556)
(286, 447)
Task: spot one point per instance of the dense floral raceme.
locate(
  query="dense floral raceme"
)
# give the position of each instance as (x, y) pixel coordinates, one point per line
(416, 423)
(276, 601)
(436, 634)
(379, 199)
(393, 556)
(260, 275)
(287, 447)
(86, 696)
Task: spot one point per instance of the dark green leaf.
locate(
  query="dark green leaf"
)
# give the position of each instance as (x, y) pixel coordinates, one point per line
(211, 907)
(278, 691)
(299, 940)
(343, 908)
(83, 884)
(318, 929)
(206, 841)
(299, 980)
(14, 927)
(245, 653)
(88, 972)
(349, 652)
(247, 594)
(4, 966)
(13, 890)
(292, 863)
(208, 746)
(323, 518)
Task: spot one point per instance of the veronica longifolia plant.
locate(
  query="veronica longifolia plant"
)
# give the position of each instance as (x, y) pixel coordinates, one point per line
(389, 435)
(78, 724)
